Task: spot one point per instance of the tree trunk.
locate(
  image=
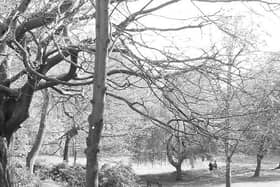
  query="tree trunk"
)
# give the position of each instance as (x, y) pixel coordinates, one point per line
(96, 117)
(191, 160)
(69, 135)
(258, 168)
(11, 161)
(179, 172)
(260, 154)
(4, 170)
(15, 102)
(74, 152)
(13, 112)
(66, 150)
(176, 159)
(228, 151)
(31, 156)
(228, 172)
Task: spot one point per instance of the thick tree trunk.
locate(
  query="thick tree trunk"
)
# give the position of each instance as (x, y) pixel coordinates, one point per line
(4, 170)
(15, 102)
(228, 172)
(258, 168)
(14, 106)
(176, 159)
(11, 160)
(31, 156)
(179, 172)
(260, 154)
(96, 117)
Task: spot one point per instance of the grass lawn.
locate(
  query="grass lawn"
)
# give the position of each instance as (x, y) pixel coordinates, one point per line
(242, 171)
(202, 177)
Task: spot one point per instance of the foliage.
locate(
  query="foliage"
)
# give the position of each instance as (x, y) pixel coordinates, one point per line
(148, 144)
(72, 175)
(21, 176)
(118, 175)
(189, 147)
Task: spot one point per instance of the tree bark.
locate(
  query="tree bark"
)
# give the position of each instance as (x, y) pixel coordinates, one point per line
(11, 160)
(4, 170)
(66, 150)
(228, 151)
(175, 160)
(260, 154)
(74, 152)
(258, 168)
(33, 153)
(179, 172)
(228, 171)
(192, 161)
(96, 117)
(15, 102)
(69, 135)
(13, 111)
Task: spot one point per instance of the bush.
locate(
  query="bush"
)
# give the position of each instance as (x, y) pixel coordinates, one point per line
(20, 175)
(42, 170)
(72, 175)
(117, 175)
(23, 178)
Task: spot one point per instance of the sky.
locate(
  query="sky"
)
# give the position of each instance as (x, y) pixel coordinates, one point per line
(256, 17)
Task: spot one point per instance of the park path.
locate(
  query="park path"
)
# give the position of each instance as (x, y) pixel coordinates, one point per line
(242, 184)
(254, 184)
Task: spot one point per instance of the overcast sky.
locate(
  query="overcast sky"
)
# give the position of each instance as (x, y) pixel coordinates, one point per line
(255, 17)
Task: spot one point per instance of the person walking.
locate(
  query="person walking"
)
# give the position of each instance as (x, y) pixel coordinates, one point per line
(215, 166)
(210, 166)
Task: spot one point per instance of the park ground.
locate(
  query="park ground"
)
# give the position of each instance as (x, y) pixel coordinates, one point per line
(161, 172)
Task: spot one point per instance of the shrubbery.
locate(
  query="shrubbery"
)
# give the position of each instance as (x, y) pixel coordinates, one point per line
(62, 173)
(20, 176)
(117, 175)
(23, 178)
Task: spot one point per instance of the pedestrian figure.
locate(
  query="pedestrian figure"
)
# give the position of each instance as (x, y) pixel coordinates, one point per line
(215, 166)
(210, 166)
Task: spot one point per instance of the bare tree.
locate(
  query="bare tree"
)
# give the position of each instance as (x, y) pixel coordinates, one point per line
(41, 40)
(179, 148)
